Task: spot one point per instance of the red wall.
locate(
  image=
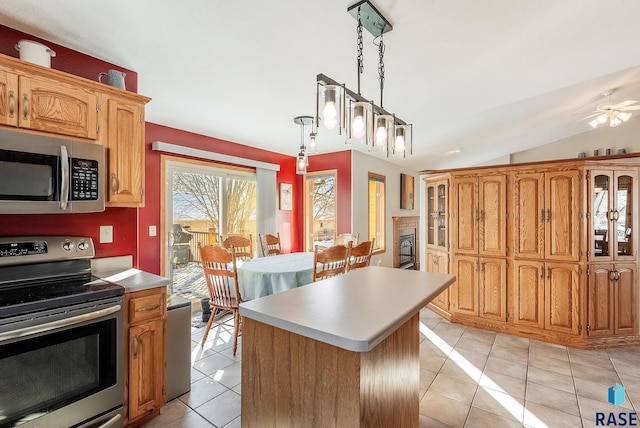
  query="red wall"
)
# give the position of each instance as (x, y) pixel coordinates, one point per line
(150, 246)
(131, 225)
(66, 60)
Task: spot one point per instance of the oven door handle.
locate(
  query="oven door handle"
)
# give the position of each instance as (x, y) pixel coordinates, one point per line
(36, 329)
(111, 421)
(64, 178)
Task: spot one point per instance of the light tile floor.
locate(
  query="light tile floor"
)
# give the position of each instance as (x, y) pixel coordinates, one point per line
(469, 378)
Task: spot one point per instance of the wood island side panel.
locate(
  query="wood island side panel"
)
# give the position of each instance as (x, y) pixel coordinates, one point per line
(292, 380)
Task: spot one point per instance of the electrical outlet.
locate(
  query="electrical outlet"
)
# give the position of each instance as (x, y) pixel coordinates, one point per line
(106, 234)
(153, 231)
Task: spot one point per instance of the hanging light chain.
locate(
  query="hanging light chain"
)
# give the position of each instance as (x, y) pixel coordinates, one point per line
(381, 47)
(359, 45)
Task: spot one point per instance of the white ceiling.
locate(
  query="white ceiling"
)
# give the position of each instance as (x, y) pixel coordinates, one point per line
(489, 77)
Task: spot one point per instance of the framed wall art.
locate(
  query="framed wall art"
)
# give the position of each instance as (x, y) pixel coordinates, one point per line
(406, 192)
(286, 196)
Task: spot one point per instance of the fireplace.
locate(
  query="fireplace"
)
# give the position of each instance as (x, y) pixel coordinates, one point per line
(406, 242)
(407, 249)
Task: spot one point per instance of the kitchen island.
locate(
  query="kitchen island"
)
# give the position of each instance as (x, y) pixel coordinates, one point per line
(339, 352)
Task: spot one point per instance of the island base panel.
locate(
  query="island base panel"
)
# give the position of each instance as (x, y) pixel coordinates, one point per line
(292, 380)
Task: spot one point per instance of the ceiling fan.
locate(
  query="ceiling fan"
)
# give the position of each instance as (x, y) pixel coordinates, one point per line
(613, 114)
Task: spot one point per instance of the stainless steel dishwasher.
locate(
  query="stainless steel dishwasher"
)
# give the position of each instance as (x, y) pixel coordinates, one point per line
(178, 344)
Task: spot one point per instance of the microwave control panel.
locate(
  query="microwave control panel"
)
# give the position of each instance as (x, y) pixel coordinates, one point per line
(84, 180)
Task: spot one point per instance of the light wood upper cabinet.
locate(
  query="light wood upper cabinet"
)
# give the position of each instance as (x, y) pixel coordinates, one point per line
(125, 150)
(465, 215)
(437, 212)
(546, 210)
(612, 214)
(562, 215)
(528, 208)
(8, 98)
(46, 104)
(492, 215)
(479, 215)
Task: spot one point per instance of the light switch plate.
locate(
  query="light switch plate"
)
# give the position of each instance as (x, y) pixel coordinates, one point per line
(153, 231)
(106, 234)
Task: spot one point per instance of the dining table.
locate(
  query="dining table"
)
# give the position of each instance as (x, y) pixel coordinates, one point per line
(265, 276)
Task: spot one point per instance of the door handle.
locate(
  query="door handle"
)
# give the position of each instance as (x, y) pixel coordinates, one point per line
(64, 178)
(548, 215)
(135, 347)
(542, 216)
(25, 107)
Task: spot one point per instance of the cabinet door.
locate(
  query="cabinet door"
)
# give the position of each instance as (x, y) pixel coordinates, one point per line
(528, 225)
(561, 297)
(493, 288)
(562, 222)
(125, 143)
(146, 368)
(601, 301)
(625, 215)
(9, 94)
(465, 215)
(442, 221)
(600, 215)
(492, 214)
(464, 293)
(432, 215)
(626, 299)
(437, 262)
(528, 293)
(50, 105)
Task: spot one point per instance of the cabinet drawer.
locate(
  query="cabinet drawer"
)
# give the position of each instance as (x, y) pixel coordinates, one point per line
(146, 307)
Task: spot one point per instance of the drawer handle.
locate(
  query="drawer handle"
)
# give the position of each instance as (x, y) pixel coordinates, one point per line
(12, 104)
(135, 347)
(25, 108)
(148, 308)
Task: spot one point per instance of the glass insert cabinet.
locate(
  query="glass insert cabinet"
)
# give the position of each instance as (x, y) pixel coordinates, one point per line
(437, 210)
(612, 214)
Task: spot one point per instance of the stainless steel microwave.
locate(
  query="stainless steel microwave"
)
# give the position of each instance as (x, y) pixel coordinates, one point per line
(47, 175)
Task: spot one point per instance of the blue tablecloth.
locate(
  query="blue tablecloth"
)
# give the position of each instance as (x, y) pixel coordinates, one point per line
(268, 275)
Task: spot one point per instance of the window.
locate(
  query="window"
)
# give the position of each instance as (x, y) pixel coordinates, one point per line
(320, 209)
(377, 211)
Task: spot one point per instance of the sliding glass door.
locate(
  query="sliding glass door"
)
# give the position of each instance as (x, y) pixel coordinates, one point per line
(202, 202)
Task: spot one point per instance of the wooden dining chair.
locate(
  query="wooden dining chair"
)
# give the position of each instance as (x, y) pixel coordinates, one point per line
(343, 238)
(361, 255)
(243, 246)
(219, 266)
(270, 244)
(330, 261)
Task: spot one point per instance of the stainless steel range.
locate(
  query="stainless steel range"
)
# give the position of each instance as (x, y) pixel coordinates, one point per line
(61, 336)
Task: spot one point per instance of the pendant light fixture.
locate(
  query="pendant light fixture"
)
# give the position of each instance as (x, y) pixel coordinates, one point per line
(339, 109)
(302, 160)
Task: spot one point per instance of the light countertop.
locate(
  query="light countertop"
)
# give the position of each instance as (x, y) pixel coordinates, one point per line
(118, 270)
(354, 311)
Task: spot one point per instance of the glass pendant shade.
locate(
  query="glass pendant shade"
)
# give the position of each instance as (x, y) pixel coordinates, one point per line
(360, 123)
(301, 163)
(312, 142)
(402, 143)
(330, 106)
(385, 131)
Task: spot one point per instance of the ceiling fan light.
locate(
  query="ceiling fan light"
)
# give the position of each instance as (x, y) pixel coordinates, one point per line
(594, 123)
(614, 122)
(602, 119)
(624, 115)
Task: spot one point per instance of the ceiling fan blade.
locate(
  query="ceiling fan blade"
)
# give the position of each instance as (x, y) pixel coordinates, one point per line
(628, 108)
(591, 115)
(624, 104)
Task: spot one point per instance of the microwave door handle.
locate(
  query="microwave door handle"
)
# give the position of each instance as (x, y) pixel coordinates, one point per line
(64, 178)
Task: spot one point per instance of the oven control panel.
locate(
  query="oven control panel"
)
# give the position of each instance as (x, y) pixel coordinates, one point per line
(33, 249)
